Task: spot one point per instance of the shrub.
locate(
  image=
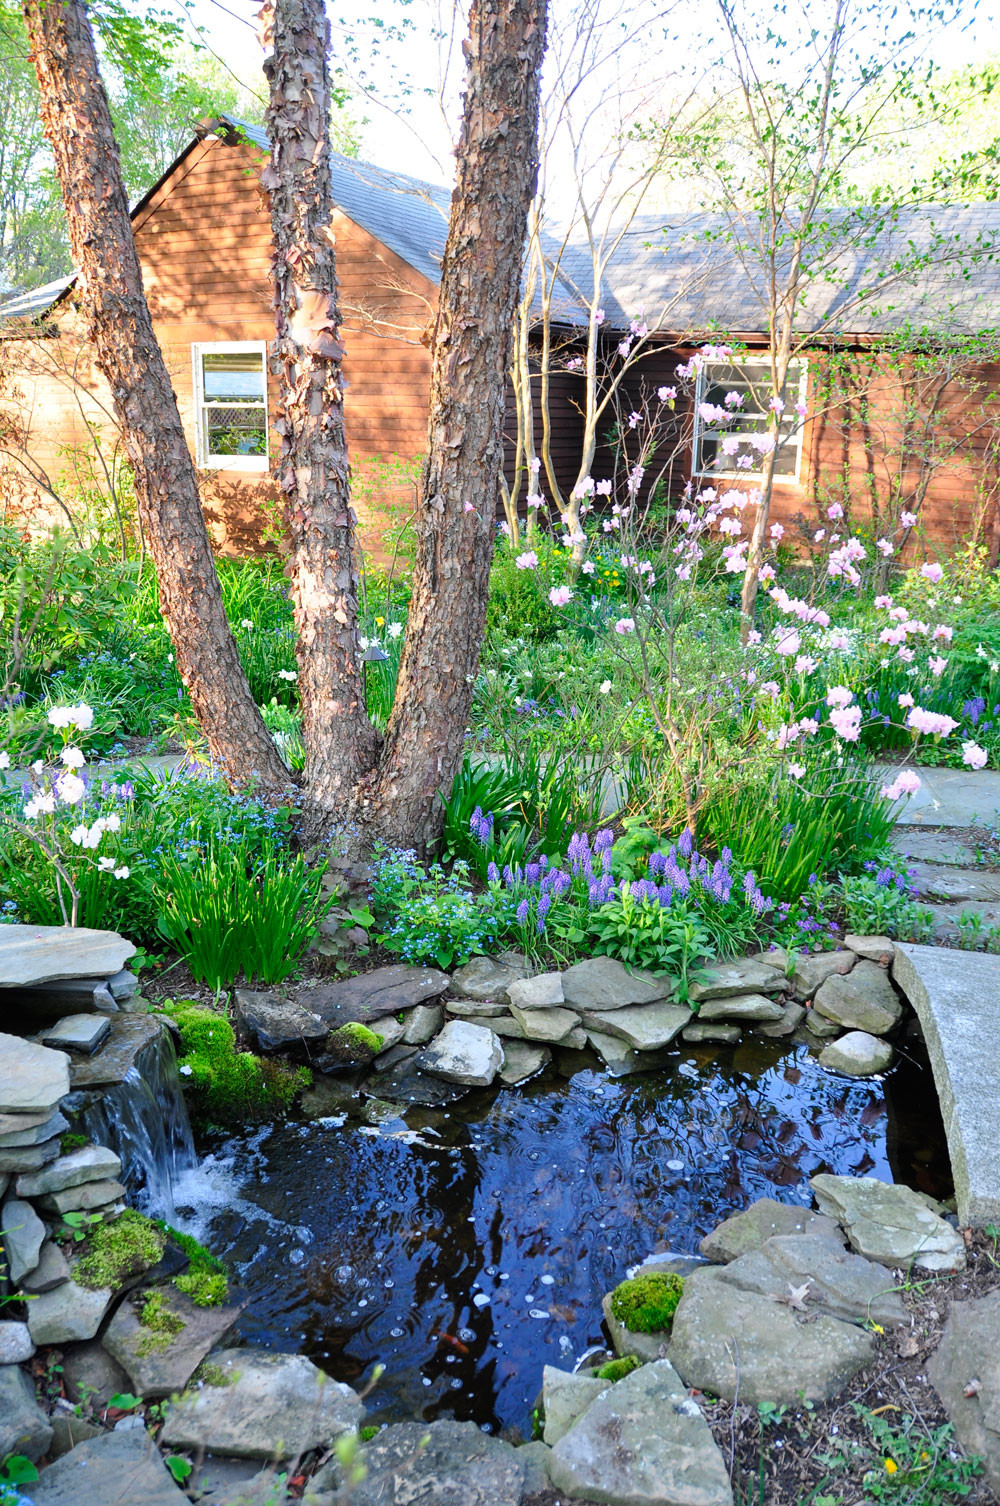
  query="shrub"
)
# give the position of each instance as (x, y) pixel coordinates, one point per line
(226, 1086)
(882, 903)
(129, 1246)
(647, 1303)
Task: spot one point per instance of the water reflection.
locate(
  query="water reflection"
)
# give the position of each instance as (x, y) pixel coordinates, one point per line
(464, 1249)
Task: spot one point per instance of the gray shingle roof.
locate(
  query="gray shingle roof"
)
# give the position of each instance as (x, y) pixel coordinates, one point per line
(30, 305)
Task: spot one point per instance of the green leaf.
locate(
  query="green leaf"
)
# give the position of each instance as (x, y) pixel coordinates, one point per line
(17, 1470)
(179, 1467)
(124, 1401)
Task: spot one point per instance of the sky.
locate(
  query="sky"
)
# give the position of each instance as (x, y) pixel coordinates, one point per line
(409, 131)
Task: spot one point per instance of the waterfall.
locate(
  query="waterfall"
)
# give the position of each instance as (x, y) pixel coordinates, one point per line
(144, 1121)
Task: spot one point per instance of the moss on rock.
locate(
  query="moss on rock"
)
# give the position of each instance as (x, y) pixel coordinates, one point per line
(117, 1251)
(162, 1326)
(225, 1086)
(616, 1370)
(354, 1045)
(647, 1303)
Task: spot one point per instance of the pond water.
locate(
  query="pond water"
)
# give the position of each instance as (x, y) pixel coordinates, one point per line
(464, 1249)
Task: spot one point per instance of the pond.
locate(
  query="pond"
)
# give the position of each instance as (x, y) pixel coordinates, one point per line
(465, 1249)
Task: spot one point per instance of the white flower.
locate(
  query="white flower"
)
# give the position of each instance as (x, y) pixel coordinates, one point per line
(70, 788)
(78, 836)
(185, 1071)
(4, 760)
(246, 624)
(72, 758)
(395, 629)
(38, 766)
(605, 687)
(110, 823)
(287, 674)
(123, 872)
(40, 805)
(106, 864)
(81, 716)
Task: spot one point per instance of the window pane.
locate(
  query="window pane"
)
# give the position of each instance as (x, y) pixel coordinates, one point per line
(233, 377)
(235, 430)
(723, 449)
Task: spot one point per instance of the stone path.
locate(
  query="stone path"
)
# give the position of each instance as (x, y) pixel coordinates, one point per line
(948, 797)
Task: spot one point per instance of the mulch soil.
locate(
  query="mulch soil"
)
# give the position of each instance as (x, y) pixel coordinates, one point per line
(781, 1462)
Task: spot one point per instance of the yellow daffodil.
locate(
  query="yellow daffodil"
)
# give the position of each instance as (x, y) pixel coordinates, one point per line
(891, 1466)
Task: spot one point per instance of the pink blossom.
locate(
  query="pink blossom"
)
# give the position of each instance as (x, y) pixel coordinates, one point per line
(771, 688)
(974, 756)
(943, 631)
(776, 532)
(711, 413)
(908, 520)
(839, 695)
(937, 665)
(666, 394)
(802, 407)
(819, 535)
(527, 561)
(625, 625)
(885, 547)
(733, 400)
(805, 664)
(835, 510)
(808, 726)
(635, 476)
(905, 654)
(796, 770)
(624, 346)
(598, 316)
(788, 642)
(753, 636)
(905, 783)
(575, 363)
(765, 573)
(932, 571)
(904, 700)
(838, 641)
(535, 464)
(777, 405)
(560, 596)
(883, 601)
(919, 720)
(846, 722)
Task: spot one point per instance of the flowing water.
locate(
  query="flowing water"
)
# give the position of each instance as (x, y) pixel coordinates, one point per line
(144, 1120)
(464, 1249)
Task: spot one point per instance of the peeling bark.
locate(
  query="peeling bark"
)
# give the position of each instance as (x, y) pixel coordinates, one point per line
(341, 744)
(77, 123)
(497, 170)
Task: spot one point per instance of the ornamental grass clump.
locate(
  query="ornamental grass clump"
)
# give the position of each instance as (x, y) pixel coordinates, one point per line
(225, 1086)
(647, 1303)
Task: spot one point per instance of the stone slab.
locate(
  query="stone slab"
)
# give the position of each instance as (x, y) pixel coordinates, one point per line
(475, 1009)
(88, 1197)
(545, 1023)
(463, 1053)
(17, 1123)
(67, 1314)
(890, 1223)
(130, 1034)
(156, 1371)
(51, 1271)
(711, 1032)
(792, 1017)
(645, 1346)
(32, 1078)
(28, 1158)
(969, 1351)
(605, 983)
(16, 1343)
(22, 1234)
(642, 1441)
(120, 1468)
(857, 1054)
(422, 1024)
(645, 1027)
(953, 884)
(24, 1427)
(863, 1000)
(956, 996)
(727, 978)
(878, 949)
(52, 1126)
(946, 797)
(276, 1022)
(751, 1008)
(403, 1082)
(442, 1463)
(371, 996)
(276, 1406)
(40, 954)
(929, 846)
(522, 1060)
(566, 1397)
(764, 1219)
(485, 979)
(91, 1163)
(77, 1032)
(826, 1277)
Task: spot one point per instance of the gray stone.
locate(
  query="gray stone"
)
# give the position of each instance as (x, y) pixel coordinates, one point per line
(965, 1373)
(115, 1469)
(24, 1427)
(50, 1129)
(829, 1278)
(121, 1052)
(819, 1026)
(89, 1374)
(791, 1018)
(747, 1008)
(857, 1054)
(645, 1346)
(725, 1339)
(603, 983)
(404, 1082)
(51, 1271)
(813, 969)
(68, 1431)
(441, 1463)
(953, 884)
(620, 1059)
(643, 1442)
(704, 1032)
(575, 1041)
(68, 1313)
(929, 846)
(77, 1032)
(878, 949)
(476, 1009)
(32, 1078)
(535, 1457)
(422, 1024)
(91, 1163)
(123, 985)
(159, 1370)
(646, 1027)
(505, 1025)
(566, 1397)
(947, 797)
(955, 995)
(371, 996)
(28, 1158)
(276, 1406)
(277, 1023)
(15, 1343)
(39, 954)
(764, 1219)
(56, 1001)
(463, 1053)
(22, 1233)
(889, 1223)
(863, 1000)
(390, 1029)
(542, 992)
(89, 1197)
(552, 1024)
(17, 1124)
(521, 1061)
(728, 978)
(484, 978)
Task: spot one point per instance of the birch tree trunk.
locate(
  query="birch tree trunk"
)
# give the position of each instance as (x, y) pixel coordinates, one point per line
(497, 169)
(341, 744)
(77, 123)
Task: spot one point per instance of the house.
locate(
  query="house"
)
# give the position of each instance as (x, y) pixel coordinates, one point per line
(203, 237)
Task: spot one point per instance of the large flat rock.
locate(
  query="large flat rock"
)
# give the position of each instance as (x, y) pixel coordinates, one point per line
(115, 1469)
(372, 996)
(946, 797)
(165, 1366)
(887, 1222)
(40, 954)
(565, 1397)
(463, 1053)
(276, 1022)
(764, 1219)
(32, 1078)
(276, 1406)
(826, 1277)
(606, 983)
(642, 1442)
(956, 996)
(129, 1037)
(970, 1351)
(864, 999)
(443, 1463)
(644, 1027)
(68, 1313)
(725, 1340)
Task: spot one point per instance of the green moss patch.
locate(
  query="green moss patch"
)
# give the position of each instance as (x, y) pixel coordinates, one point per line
(225, 1086)
(117, 1251)
(647, 1303)
(72, 1141)
(162, 1326)
(206, 1280)
(616, 1370)
(209, 1373)
(354, 1044)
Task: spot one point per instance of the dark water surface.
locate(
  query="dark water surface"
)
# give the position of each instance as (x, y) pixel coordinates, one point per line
(465, 1249)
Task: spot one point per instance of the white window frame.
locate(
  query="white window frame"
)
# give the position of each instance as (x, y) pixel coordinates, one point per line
(736, 473)
(208, 462)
